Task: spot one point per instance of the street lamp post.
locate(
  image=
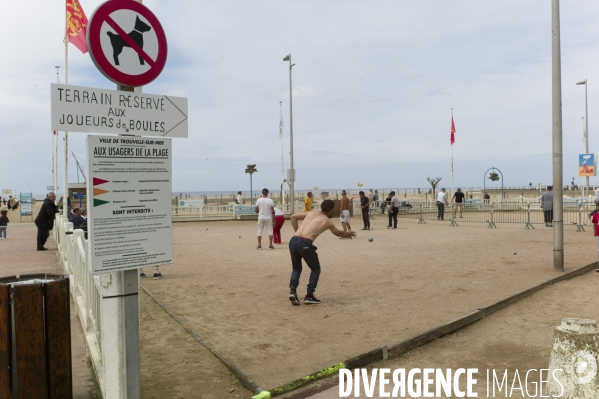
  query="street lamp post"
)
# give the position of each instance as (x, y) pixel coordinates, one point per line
(586, 126)
(556, 94)
(292, 172)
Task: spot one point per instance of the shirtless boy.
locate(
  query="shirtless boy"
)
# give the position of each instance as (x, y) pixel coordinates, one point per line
(301, 246)
(344, 216)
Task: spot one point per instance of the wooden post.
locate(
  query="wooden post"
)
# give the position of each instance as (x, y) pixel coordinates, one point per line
(58, 339)
(5, 343)
(35, 361)
(28, 303)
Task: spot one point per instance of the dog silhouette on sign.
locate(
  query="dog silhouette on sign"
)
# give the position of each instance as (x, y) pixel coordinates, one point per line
(137, 35)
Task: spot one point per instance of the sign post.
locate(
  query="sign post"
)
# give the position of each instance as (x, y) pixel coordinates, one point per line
(26, 205)
(129, 177)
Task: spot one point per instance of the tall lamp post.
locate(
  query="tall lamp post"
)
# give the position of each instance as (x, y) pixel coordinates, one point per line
(291, 176)
(558, 176)
(586, 126)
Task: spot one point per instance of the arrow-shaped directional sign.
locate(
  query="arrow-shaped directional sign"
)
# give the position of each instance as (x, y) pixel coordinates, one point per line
(89, 110)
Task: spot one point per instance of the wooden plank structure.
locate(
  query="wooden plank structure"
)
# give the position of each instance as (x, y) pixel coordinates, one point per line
(35, 337)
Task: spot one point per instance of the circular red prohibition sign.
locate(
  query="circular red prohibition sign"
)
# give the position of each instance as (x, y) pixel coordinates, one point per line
(118, 39)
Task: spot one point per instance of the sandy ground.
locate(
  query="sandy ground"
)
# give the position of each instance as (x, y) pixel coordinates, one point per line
(374, 293)
(175, 366)
(14, 217)
(405, 282)
(518, 337)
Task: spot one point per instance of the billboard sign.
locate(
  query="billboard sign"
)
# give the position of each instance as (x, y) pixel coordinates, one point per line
(586, 165)
(26, 204)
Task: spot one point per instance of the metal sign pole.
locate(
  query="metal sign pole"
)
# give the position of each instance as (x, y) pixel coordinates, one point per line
(130, 318)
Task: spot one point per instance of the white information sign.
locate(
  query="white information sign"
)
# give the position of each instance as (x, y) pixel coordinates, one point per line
(129, 202)
(191, 203)
(7, 191)
(89, 110)
(26, 204)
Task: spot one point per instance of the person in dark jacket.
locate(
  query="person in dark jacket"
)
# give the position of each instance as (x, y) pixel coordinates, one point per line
(3, 224)
(76, 218)
(45, 220)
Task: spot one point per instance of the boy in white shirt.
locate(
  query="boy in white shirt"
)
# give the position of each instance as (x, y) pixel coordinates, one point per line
(265, 208)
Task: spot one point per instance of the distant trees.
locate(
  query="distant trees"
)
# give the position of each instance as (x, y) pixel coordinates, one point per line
(434, 183)
(493, 176)
(251, 169)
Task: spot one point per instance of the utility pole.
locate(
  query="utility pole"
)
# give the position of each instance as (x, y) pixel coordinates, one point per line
(558, 186)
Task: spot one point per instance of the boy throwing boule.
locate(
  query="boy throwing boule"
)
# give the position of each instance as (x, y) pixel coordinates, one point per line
(301, 247)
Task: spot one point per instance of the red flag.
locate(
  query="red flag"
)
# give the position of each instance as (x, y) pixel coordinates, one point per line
(452, 138)
(76, 25)
(54, 131)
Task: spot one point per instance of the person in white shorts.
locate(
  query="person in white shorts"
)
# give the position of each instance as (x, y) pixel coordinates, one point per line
(265, 208)
(344, 214)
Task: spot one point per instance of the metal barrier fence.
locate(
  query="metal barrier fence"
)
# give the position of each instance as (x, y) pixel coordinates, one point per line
(527, 213)
(204, 211)
(229, 211)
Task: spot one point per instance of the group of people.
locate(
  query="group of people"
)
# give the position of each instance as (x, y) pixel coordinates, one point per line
(301, 245)
(459, 199)
(45, 222)
(45, 219)
(269, 217)
(77, 216)
(366, 203)
(12, 204)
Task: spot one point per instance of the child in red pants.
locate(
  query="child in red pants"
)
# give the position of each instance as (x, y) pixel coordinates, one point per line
(279, 220)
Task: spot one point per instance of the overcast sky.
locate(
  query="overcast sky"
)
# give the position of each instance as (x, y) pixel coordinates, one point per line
(373, 85)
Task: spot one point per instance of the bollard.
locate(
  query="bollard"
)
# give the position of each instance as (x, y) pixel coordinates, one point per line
(421, 220)
(579, 227)
(528, 223)
(575, 351)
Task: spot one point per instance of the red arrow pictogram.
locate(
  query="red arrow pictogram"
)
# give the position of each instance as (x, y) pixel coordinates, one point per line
(97, 181)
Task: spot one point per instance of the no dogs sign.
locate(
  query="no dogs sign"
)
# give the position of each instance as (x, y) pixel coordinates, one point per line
(126, 42)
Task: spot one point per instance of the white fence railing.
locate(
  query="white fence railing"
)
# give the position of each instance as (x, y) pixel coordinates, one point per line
(92, 295)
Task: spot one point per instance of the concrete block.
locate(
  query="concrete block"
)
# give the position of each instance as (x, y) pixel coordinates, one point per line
(573, 361)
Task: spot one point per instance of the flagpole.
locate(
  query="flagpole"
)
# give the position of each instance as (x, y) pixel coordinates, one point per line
(584, 147)
(282, 152)
(65, 182)
(55, 146)
(451, 192)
